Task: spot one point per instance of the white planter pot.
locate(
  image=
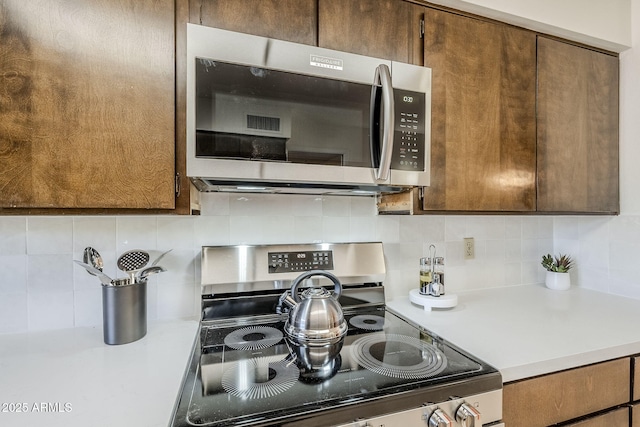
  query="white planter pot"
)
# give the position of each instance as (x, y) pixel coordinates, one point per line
(558, 281)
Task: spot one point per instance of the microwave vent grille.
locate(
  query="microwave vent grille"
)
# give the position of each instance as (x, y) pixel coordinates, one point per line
(265, 123)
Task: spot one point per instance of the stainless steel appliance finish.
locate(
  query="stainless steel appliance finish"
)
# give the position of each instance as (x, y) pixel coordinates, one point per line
(246, 371)
(124, 312)
(315, 315)
(265, 115)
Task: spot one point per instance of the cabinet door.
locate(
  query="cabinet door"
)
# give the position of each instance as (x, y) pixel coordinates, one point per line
(483, 135)
(87, 104)
(635, 415)
(567, 395)
(616, 418)
(290, 20)
(577, 129)
(388, 29)
(636, 379)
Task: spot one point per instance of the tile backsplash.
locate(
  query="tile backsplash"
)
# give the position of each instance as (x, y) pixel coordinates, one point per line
(41, 288)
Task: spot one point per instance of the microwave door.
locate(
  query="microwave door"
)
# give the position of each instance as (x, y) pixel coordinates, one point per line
(382, 119)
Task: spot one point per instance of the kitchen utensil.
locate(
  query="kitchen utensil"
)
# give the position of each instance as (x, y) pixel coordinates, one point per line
(157, 260)
(123, 281)
(106, 280)
(315, 317)
(93, 258)
(148, 271)
(132, 261)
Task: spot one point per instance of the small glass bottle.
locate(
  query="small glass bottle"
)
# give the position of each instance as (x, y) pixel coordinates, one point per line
(438, 270)
(425, 275)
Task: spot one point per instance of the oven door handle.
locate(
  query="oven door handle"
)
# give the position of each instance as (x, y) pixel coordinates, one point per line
(382, 99)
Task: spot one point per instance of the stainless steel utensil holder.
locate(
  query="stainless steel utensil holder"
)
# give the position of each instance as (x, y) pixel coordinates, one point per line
(124, 312)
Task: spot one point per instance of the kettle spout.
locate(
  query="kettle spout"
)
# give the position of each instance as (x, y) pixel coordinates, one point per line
(285, 303)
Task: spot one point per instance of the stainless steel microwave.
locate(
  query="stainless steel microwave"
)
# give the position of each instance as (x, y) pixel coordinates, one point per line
(265, 115)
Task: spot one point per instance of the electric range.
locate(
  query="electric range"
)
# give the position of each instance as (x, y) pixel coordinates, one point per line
(246, 371)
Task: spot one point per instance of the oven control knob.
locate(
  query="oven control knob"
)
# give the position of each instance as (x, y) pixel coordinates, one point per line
(468, 416)
(440, 419)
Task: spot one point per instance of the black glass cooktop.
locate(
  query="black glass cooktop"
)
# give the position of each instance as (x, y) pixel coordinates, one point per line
(251, 374)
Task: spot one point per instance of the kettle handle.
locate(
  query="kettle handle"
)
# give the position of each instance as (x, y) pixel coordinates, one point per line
(337, 289)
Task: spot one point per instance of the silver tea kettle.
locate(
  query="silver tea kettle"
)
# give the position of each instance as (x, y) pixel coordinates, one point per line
(315, 316)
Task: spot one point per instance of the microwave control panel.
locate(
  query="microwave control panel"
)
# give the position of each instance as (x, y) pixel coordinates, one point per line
(286, 262)
(409, 139)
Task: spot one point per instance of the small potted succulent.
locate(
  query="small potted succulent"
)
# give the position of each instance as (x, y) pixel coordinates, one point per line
(557, 271)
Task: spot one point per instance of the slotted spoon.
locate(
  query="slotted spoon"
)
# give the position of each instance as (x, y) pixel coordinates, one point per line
(132, 261)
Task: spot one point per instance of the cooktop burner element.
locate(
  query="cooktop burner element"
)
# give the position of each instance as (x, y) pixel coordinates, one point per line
(259, 378)
(367, 322)
(398, 356)
(253, 338)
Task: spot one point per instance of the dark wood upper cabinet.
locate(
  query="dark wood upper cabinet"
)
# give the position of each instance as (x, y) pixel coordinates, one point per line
(577, 129)
(87, 104)
(290, 20)
(483, 134)
(387, 29)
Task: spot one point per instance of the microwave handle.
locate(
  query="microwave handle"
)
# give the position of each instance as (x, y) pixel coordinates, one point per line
(382, 157)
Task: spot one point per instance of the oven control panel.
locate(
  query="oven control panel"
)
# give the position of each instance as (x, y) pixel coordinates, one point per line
(481, 410)
(287, 262)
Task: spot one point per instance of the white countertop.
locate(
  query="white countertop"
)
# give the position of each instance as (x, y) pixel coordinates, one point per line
(71, 378)
(523, 331)
(530, 330)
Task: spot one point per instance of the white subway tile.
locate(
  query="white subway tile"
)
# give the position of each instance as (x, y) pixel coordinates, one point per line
(259, 204)
(513, 227)
(180, 266)
(335, 229)
(512, 249)
(278, 229)
(49, 235)
(455, 228)
(485, 227)
(175, 233)
(388, 228)
(50, 273)
(306, 205)
(176, 301)
(214, 204)
(136, 233)
(495, 250)
(308, 229)
(87, 306)
(13, 236)
(625, 228)
(403, 256)
(50, 310)
(422, 228)
(531, 251)
(339, 206)
(532, 272)
(364, 206)
(13, 312)
(245, 230)
(211, 231)
(97, 232)
(530, 229)
(362, 228)
(512, 273)
(13, 274)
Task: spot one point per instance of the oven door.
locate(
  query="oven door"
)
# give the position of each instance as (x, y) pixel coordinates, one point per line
(263, 110)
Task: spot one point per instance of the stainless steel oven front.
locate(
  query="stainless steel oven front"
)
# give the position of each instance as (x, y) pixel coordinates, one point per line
(269, 113)
(246, 370)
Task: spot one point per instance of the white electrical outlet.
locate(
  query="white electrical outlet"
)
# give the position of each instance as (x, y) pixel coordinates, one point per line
(469, 248)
